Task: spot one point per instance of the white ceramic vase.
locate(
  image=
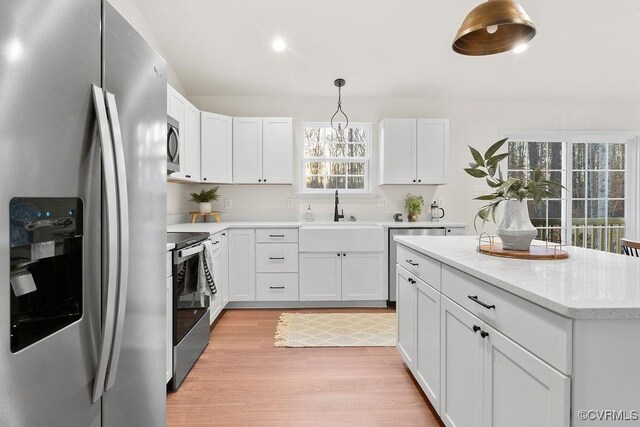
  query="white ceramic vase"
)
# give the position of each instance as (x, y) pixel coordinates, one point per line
(205, 207)
(515, 228)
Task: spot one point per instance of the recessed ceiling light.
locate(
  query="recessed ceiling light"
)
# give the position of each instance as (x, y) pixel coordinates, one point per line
(520, 48)
(279, 45)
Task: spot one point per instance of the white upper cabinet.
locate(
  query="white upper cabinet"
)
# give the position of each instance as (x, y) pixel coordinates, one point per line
(216, 148)
(277, 150)
(188, 117)
(262, 150)
(414, 151)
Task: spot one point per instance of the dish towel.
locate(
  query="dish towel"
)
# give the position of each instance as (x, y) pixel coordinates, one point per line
(205, 271)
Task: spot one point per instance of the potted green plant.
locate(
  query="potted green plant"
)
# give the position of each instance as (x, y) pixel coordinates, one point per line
(414, 205)
(204, 199)
(514, 227)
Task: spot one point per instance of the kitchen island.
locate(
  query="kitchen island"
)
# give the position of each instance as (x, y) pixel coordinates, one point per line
(502, 342)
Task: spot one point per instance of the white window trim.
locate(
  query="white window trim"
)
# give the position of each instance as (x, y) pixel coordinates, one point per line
(632, 163)
(307, 193)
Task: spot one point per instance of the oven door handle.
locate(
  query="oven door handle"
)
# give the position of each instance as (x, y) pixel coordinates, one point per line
(190, 251)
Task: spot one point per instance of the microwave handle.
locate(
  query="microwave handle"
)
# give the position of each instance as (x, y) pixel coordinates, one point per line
(108, 167)
(123, 216)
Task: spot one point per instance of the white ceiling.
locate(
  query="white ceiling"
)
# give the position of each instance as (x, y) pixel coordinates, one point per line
(584, 48)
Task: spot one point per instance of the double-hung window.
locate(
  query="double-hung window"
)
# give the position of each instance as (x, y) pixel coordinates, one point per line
(597, 208)
(329, 164)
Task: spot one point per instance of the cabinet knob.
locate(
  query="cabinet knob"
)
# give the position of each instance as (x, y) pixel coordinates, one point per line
(259, 180)
(264, 180)
(414, 180)
(476, 328)
(188, 176)
(344, 254)
(338, 254)
(419, 180)
(484, 334)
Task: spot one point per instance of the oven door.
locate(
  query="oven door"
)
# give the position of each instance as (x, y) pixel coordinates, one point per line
(189, 304)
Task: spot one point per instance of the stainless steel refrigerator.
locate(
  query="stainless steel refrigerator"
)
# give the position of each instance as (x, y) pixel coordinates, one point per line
(82, 218)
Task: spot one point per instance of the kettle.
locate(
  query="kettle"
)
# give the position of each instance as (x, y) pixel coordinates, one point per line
(437, 212)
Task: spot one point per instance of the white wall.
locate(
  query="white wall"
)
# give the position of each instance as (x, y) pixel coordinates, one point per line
(131, 12)
(472, 122)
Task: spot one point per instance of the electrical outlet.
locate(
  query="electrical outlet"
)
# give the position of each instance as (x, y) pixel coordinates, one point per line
(228, 204)
(382, 203)
(290, 203)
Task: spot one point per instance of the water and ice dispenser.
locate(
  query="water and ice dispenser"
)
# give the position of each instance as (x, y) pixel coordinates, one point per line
(46, 267)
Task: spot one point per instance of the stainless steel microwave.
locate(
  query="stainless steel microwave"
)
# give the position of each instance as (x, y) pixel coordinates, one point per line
(173, 145)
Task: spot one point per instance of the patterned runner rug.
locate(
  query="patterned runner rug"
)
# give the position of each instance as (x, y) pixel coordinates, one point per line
(336, 330)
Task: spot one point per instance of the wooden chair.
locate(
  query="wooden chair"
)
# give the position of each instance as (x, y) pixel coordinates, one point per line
(631, 248)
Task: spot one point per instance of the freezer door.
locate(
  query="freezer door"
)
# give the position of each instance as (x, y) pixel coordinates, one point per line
(434, 231)
(50, 57)
(135, 75)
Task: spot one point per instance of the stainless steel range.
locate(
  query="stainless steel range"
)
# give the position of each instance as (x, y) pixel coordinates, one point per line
(190, 306)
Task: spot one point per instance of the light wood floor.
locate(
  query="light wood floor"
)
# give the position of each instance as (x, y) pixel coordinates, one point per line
(241, 379)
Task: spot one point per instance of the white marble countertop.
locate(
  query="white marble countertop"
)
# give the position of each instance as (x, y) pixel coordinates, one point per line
(589, 285)
(170, 246)
(216, 227)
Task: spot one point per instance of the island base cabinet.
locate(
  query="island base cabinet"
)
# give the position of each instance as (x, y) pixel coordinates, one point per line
(320, 277)
(427, 359)
(520, 389)
(461, 366)
(405, 309)
(362, 276)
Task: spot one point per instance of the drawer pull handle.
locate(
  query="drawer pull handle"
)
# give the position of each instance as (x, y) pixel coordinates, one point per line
(415, 264)
(216, 242)
(476, 328)
(475, 299)
(274, 257)
(276, 235)
(484, 334)
(276, 287)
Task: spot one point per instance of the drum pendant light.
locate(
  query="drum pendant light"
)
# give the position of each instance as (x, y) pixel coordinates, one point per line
(493, 27)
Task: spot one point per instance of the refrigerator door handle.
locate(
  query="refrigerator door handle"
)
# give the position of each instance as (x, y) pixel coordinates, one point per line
(123, 221)
(110, 196)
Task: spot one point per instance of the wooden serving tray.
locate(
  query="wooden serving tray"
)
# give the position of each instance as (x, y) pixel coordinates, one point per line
(534, 252)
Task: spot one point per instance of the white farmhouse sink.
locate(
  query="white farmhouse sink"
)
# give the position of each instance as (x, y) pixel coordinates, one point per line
(341, 237)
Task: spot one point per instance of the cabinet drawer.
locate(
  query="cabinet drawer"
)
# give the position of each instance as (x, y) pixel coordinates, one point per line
(276, 257)
(169, 264)
(426, 269)
(277, 286)
(266, 235)
(546, 334)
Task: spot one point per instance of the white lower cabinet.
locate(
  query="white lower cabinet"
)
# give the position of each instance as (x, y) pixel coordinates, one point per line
(224, 285)
(343, 276)
(320, 277)
(427, 358)
(460, 367)
(519, 388)
(216, 306)
(406, 313)
(242, 265)
(169, 331)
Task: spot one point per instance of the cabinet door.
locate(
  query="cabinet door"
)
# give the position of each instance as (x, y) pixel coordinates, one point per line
(406, 311)
(169, 331)
(362, 276)
(216, 299)
(191, 158)
(216, 148)
(320, 277)
(461, 366)
(176, 107)
(242, 273)
(247, 150)
(397, 151)
(277, 150)
(224, 280)
(432, 151)
(427, 359)
(519, 388)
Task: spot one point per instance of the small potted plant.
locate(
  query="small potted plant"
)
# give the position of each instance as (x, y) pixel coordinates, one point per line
(204, 199)
(514, 227)
(414, 205)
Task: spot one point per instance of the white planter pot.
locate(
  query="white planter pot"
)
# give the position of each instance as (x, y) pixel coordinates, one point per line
(205, 207)
(515, 228)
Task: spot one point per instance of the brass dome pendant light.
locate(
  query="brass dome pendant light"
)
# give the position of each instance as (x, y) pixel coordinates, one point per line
(493, 27)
